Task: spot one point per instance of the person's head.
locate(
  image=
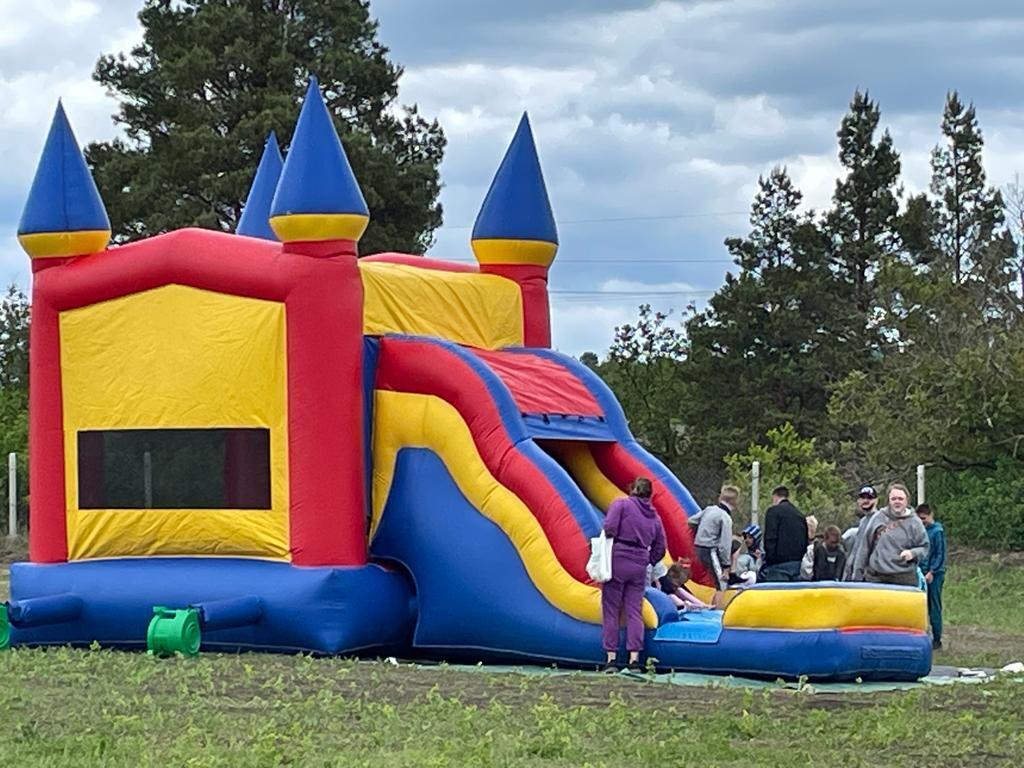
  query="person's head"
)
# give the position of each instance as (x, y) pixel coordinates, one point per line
(779, 493)
(679, 572)
(641, 488)
(730, 496)
(899, 497)
(924, 512)
(867, 498)
(832, 536)
(812, 526)
(752, 536)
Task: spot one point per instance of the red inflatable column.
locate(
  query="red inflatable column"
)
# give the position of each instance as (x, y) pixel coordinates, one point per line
(325, 406)
(319, 213)
(533, 281)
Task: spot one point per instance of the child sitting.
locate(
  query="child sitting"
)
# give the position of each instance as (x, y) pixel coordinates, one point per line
(673, 584)
(749, 563)
(739, 575)
(829, 556)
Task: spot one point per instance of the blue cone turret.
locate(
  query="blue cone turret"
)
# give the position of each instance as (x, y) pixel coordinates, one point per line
(64, 215)
(318, 198)
(515, 224)
(255, 220)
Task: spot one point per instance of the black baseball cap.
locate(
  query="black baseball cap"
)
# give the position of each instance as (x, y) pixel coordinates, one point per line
(868, 491)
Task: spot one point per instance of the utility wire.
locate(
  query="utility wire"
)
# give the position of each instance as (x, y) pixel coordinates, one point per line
(621, 261)
(616, 219)
(596, 293)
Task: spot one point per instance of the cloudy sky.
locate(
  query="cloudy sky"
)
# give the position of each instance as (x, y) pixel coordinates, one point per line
(654, 119)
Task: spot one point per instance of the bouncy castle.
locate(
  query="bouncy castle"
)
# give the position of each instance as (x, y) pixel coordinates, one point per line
(260, 441)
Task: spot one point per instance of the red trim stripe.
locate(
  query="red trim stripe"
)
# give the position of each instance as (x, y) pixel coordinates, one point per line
(407, 365)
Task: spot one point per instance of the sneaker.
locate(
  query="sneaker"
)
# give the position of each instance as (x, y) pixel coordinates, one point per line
(936, 645)
(634, 666)
(610, 668)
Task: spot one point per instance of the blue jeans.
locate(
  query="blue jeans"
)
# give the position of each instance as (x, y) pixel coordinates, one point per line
(935, 605)
(781, 572)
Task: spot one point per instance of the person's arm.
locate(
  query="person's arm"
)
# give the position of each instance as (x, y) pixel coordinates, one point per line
(691, 600)
(658, 545)
(939, 559)
(771, 535)
(861, 548)
(807, 564)
(849, 536)
(613, 518)
(725, 539)
(920, 544)
(840, 565)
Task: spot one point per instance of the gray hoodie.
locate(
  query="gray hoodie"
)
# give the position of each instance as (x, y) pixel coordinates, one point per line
(881, 540)
(852, 538)
(714, 529)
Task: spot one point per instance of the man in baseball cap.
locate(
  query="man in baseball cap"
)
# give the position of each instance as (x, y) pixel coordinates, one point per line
(867, 505)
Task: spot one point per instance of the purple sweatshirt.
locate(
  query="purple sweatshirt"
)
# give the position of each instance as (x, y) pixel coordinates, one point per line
(634, 525)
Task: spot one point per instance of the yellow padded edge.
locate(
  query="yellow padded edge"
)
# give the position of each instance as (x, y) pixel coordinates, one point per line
(576, 457)
(579, 461)
(405, 420)
(57, 245)
(483, 311)
(539, 253)
(827, 608)
(317, 227)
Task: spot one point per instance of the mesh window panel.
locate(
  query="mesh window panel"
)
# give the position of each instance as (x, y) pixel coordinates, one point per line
(174, 469)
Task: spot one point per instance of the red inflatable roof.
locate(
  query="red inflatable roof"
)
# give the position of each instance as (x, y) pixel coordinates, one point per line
(541, 386)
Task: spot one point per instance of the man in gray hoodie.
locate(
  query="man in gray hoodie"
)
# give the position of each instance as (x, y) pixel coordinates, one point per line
(892, 543)
(713, 541)
(867, 505)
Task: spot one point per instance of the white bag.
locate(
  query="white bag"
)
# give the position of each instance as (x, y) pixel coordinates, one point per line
(599, 567)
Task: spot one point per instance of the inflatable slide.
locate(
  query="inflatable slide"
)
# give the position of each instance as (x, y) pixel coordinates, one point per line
(260, 441)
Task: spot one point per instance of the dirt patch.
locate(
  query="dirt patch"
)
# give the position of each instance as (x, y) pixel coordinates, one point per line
(973, 646)
(971, 556)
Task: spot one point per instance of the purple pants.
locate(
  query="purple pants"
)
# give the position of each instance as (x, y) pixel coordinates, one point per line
(624, 593)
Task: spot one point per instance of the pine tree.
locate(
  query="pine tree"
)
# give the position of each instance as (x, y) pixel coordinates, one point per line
(949, 388)
(969, 213)
(765, 348)
(211, 78)
(862, 222)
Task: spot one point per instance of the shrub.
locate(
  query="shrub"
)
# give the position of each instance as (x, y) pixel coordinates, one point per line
(981, 507)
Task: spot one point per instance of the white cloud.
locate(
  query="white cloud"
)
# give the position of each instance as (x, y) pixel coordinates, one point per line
(749, 116)
(585, 321)
(640, 109)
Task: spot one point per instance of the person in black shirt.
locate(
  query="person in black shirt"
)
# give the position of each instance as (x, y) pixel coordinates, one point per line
(785, 538)
(829, 556)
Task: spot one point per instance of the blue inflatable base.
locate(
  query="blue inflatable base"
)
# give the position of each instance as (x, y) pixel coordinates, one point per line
(324, 610)
(699, 643)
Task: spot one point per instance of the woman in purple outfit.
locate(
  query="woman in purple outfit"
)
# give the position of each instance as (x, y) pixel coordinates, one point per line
(639, 542)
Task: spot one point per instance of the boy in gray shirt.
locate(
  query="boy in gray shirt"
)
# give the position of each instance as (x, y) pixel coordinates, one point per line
(713, 541)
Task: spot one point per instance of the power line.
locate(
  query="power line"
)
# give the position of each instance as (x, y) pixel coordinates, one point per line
(618, 219)
(644, 261)
(570, 292)
(622, 261)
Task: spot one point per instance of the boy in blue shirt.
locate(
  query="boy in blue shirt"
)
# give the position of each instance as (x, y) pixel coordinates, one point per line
(934, 568)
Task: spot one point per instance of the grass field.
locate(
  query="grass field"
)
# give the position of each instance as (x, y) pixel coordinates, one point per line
(63, 707)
